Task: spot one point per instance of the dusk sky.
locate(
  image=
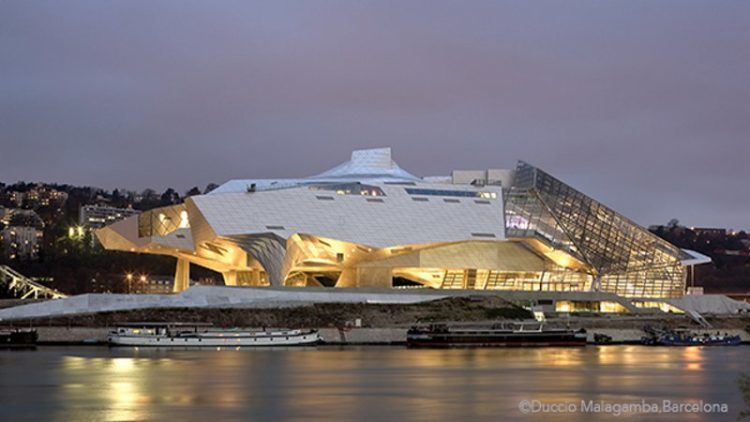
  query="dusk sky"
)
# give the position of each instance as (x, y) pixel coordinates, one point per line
(644, 105)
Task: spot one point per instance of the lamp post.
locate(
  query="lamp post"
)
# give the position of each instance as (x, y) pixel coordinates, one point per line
(129, 277)
(143, 279)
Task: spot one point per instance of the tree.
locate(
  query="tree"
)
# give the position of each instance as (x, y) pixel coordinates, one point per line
(210, 187)
(170, 197)
(193, 191)
(148, 194)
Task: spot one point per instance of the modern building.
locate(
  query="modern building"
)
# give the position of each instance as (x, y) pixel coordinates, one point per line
(97, 216)
(369, 223)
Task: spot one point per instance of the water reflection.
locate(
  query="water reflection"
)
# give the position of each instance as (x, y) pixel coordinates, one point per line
(352, 383)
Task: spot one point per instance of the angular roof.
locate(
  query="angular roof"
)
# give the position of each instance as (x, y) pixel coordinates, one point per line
(365, 164)
(368, 164)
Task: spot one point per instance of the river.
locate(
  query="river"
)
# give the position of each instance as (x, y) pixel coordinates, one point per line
(367, 383)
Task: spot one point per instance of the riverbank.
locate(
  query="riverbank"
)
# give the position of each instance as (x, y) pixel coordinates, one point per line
(342, 336)
(370, 315)
(373, 323)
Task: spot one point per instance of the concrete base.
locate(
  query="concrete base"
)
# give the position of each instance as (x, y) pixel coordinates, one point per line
(275, 297)
(210, 297)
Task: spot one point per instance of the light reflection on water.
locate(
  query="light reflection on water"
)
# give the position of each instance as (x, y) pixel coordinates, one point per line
(387, 383)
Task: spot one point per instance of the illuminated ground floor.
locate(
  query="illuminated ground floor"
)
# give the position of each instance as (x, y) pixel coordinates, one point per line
(523, 264)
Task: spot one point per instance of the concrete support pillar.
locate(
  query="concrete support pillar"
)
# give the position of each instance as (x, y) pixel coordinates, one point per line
(366, 277)
(230, 278)
(181, 275)
(596, 284)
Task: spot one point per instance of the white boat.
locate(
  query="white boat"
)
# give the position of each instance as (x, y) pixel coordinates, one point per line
(175, 334)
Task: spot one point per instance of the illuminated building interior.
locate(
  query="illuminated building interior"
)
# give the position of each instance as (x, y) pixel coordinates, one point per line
(367, 223)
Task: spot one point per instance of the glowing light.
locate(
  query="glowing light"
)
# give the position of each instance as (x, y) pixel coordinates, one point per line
(184, 222)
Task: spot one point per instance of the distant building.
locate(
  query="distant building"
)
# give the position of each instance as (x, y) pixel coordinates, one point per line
(22, 243)
(490, 177)
(39, 196)
(22, 235)
(709, 231)
(93, 217)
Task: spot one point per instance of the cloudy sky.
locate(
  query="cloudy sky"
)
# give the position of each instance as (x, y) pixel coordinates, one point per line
(644, 105)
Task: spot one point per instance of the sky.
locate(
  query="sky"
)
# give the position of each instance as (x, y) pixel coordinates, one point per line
(643, 105)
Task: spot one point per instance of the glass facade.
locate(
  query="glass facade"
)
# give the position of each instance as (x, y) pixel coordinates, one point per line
(625, 258)
(162, 221)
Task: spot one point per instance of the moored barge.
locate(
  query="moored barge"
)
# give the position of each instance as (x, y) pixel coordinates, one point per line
(18, 338)
(687, 338)
(519, 336)
(177, 334)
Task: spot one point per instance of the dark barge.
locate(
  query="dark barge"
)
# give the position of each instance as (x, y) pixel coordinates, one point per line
(520, 336)
(17, 338)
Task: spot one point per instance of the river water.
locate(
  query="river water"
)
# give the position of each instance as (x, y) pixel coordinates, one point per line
(370, 383)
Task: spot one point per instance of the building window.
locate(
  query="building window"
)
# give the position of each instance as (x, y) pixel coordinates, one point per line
(445, 192)
(355, 188)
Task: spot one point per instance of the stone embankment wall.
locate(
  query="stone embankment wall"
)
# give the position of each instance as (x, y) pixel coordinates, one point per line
(335, 336)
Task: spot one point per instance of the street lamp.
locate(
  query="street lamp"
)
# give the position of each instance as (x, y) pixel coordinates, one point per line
(142, 285)
(129, 277)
